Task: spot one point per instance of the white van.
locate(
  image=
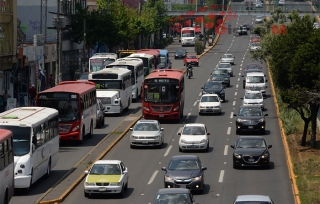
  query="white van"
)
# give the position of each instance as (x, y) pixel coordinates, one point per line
(256, 81)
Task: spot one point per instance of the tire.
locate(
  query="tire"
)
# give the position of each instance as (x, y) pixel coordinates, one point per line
(26, 190)
(48, 169)
(102, 124)
(121, 194)
(263, 132)
(126, 186)
(207, 149)
(91, 130)
(83, 135)
(235, 166)
(6, 198)
(224, 99)
(229, 85)
(132, 146)
(86, 194)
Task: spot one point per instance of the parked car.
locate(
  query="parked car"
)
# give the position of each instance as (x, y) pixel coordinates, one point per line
(194, 137)
(191, 59)
(227, 58)
(174, 195)
(214, 87)
(222, 76)
(210, 103)
(100, 114)
(251, 151)
(180, 54)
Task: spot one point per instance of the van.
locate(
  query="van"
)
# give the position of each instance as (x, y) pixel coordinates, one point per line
(256, 81)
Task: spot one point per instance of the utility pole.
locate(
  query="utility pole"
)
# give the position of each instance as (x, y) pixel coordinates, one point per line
(58, 61)
(84, 44)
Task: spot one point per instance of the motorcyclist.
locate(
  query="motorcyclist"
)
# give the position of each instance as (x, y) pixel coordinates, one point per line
(189, 70)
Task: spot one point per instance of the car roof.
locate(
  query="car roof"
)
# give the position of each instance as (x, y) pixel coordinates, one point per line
(253, 198)
(195, 125)
(250, 91)
(178, 157)
(255, 74)
(147, 121)
(107, 162)
(209, 95)
(173, 190)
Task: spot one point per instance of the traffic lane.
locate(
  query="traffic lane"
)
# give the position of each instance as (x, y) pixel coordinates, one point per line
(70, 153)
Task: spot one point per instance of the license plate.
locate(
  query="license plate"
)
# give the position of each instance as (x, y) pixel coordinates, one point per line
(161, 116)
(145, 142)
(102, 189)
(250, 127)
(251, 160)
(183, 186)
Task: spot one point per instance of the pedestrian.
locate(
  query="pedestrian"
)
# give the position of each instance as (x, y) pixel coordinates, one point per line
(6, 95)
(1, 104)
(51, 80)
(32, 94)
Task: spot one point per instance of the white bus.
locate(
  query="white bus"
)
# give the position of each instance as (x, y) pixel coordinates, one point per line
(35, 142)
(137, 73)
(6, 166)
(148, 62)
(99, 61)
(114, 89)
(188, 36)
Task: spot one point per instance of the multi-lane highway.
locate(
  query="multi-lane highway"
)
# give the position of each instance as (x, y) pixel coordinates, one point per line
(222, 182)
(267, 6)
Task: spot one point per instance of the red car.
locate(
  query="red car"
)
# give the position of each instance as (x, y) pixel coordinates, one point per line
(255, 39)
(191, 59)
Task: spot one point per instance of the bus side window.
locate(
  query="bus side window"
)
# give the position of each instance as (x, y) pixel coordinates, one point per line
(38, 134)
(1, 157)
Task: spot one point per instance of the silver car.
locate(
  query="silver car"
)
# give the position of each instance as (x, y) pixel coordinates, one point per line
(253, 199)
(227, 58)
(258, 19)
(253, 98)
(255, 47)
(147, 133)
(226, 66)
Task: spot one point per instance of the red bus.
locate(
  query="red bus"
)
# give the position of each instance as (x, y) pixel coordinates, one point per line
(163, 95)
(154, 52)
(76, 102)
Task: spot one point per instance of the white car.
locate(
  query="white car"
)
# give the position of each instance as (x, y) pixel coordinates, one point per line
(258, 5)
(281, 2)
(253, 98)
(258, 19)
(316, 25)
(106, 177)
(226, 66)
(147, 133)
(210, 103)
(194, 137)
(255, 47)
(253, 199)
(227, 58)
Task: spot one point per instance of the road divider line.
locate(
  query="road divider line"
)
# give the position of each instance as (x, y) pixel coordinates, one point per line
(229, 131)
(235, 93)
(239, 73)
(200, 94)
(221, 176)
(188, 115)
(234, 103)
(153, 177)
(238, 79)
(231, 115)
(195, 103)
(168, 150)
(225, 150)
(237, 86)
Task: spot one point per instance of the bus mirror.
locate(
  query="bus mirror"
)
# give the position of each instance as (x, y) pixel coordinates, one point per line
(34, 140)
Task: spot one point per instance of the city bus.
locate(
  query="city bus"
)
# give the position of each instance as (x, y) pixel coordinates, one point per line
(188, 36)
(99, 61)
(165, 62)
(125, 53)
(137, 75)
(114, 89)
(148, 62)
(35, 142)
(6, 166)
(163, 95)
(155, 53)
(77, 105)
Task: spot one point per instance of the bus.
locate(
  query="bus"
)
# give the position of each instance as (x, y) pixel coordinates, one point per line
(148, 62)
(125, 53)
(165, 62)
(35, 142)
(114, 89)
(99, 61)
(154, 52)
(6, 166)
(163, 95)
(137, 75)
(77, 105)
(188, 36)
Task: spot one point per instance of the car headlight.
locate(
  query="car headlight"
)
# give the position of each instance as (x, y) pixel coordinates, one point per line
(167, 178)
(146, 108)
(175, 55)
(183, 141)
(197, 178)
(203, 141)
(261, 120)
(239, 120)
(237, 155)
(90, 184)
(75, 128)
(261, 102)
(266, 155)
(134, 137)
(213, 79)
(115, 184)
(156, 136)
(176, 108)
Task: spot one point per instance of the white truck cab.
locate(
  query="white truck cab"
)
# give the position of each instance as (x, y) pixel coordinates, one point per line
(256, 81)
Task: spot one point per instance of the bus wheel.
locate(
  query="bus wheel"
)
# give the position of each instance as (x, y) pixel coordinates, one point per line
(83, 134)
(6, 197)
(28, 188)
(48, 169)
(91, 130)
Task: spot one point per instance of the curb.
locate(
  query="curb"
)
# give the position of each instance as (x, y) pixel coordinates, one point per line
(76, 182)
(292, 176)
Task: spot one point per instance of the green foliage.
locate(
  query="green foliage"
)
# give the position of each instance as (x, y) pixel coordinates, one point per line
(278, 15)
(199, 47)
(261, 31)
(183, 7)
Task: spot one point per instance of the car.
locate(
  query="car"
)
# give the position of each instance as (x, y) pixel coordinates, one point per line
(247, 26)
(222, 76)
(210, 103)
(252, 66)
(255, 39)
(147, 133)
(242, 199)
(194, 137)
(253, 98)
(281, 2)
(184, 171)
(174, 195)
(251, 151)
(258, 19)
(242, 30)
(255, 47)
(316, 25)
(106, 177)
(250, 117)
(256, 81)
(258, 5)
(180, 54)
(191, 59)
(214, 87)
(227, 58)
(100, 114)
(246, 72)
(226, 66)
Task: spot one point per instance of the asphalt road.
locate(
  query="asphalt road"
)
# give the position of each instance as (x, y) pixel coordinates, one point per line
(287, 7)
(222, 182)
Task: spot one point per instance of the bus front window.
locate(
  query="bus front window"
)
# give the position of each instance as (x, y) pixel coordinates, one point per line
(21, 139)
(99, 63)
(162, 93)
(108, 84)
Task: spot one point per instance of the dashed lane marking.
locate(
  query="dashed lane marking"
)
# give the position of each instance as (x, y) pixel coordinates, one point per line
(225, 150)
(231, 115)
(235, 93)
(168, 150)
(195, 103)
(221, 176)
(238, 79)
(237, 85)
(229, 131)
(153, 177)
(234, 103)
(188, 115)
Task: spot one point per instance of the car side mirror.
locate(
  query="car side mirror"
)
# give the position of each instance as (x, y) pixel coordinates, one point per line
(161, 129)
(266, 114)
(241, 98)
(201, 87)
(269, 146)
(265, 75)
(266, 80)
(86, 172)
(232, 146)
(234, 57)
(208, 133)
(164, 168)
(179, 133)
(203, 168)
(242, 75)
(234, 114)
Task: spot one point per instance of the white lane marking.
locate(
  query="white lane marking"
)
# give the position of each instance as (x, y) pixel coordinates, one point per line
(231, 115)
(237, 86)
(234, 103)
(238, 79)
(153, 177)
(229, 131)
(221, 176)
(240, 69)
(188, 115)
(168, 150)
(195, 103)
(235, 93)
(225, 150)
(239, 73)
(200, 94)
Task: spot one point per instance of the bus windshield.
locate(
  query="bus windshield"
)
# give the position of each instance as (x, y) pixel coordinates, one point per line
(188, 33)
(108, 84)
(99, 63)
(161, 93)
(162, 63)
(21, 139)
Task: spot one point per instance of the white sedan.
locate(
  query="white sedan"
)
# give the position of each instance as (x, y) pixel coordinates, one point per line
(227, 58)
(194, 137)
(210, 103)
(258, 19)
(255, 47)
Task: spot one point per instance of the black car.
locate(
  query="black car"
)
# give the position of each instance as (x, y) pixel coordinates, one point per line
(251, 151)
(246, 25)
(184, 171)
(174, 195)
(252, 66)
(250, 118)
(221, 75)
(242, 30)
(180, 54)
(214, 87)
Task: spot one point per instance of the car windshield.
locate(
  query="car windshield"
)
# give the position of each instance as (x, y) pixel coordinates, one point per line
(100, 63)
(255, 79)
(220, 72)
(250, 111)
(227, 56)
(251, 143)
(21, 139)
(183, 165)
(178, 198)
(108, 84)
(227, 65)
(180, 51)
(253, 96)
(213, 86)
(106, 169)
(193, 130)
(259, 17)
(146, 127)
(192, 57)
(209, 99)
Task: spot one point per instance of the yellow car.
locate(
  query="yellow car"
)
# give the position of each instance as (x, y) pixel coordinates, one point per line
(106, 177)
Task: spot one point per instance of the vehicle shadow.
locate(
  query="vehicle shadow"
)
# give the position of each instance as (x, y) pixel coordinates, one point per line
(198, 151)
(206, 190)
(164, 146)
(127, 194)
(248, 132)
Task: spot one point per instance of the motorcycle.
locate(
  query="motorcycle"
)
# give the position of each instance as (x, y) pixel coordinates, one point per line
(189, 72)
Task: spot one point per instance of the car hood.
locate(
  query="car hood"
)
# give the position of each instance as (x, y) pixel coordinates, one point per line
(144, 133)
(183, 174)
(250, 151)
(193, 138)
(213, 90)
(250, 117)
(209, 103)
(102, 178)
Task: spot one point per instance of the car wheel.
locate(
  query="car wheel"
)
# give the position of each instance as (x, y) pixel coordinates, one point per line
(132, 146)
(91, 130)
(126, 186)
(238, 132)
(48, 169)
(121, 194)
(224, 99)
(200, 113)
(235, 166)
(228, 84)
(85, 194)
(180, 150)
(175, 57)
